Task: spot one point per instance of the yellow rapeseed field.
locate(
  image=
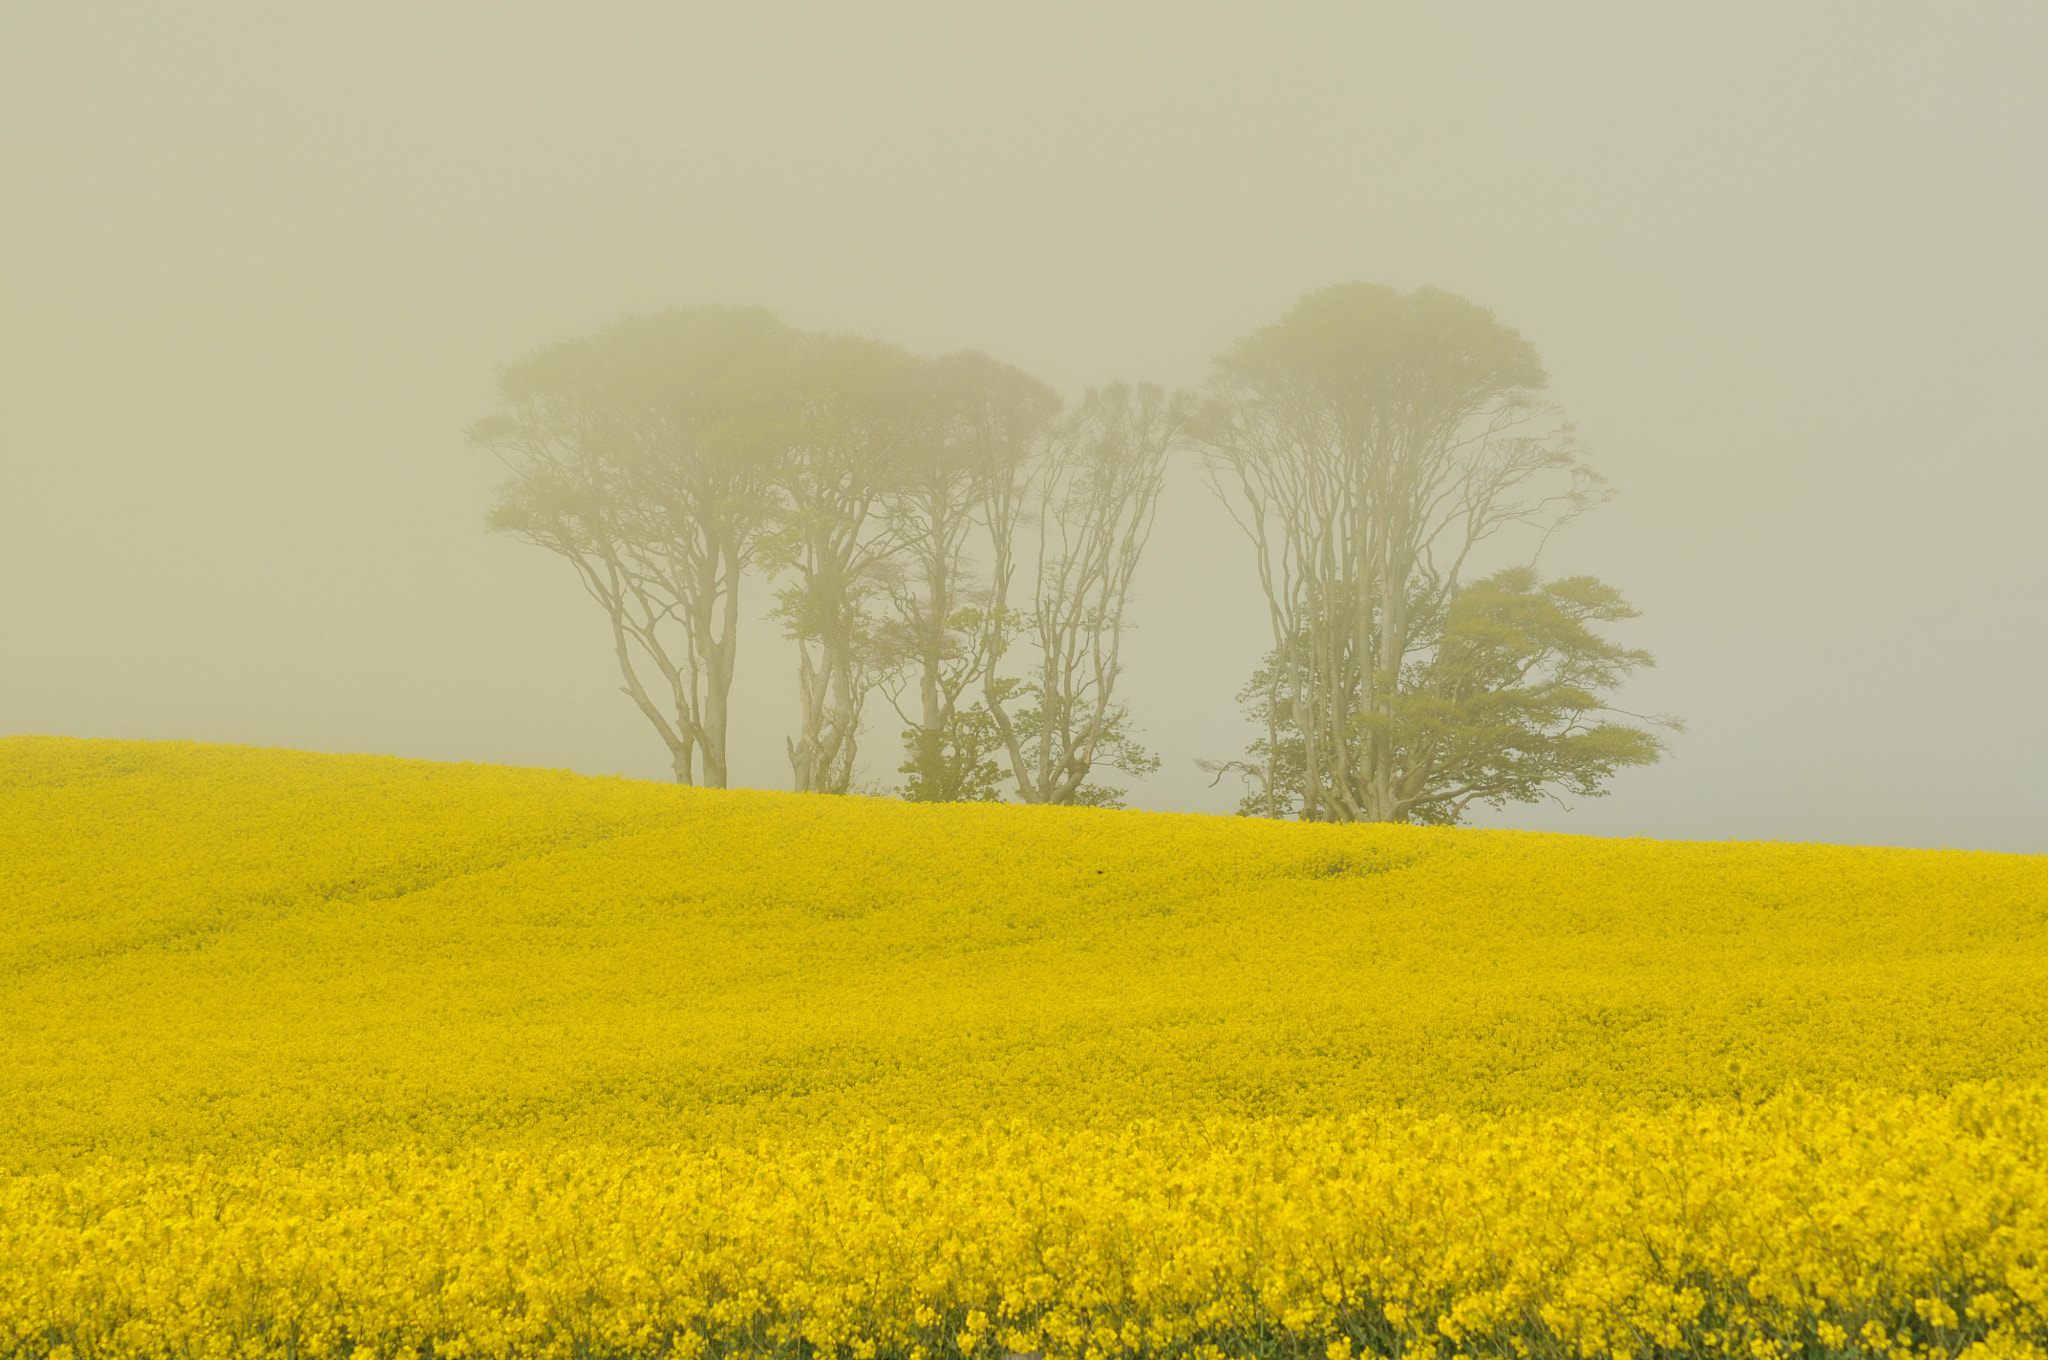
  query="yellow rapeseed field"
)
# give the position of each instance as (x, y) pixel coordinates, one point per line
(305, 1056)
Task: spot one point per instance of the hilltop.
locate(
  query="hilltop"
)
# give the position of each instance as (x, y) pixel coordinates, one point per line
(227, 949)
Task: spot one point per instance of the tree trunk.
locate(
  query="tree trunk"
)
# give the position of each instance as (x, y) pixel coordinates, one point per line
(804, 748)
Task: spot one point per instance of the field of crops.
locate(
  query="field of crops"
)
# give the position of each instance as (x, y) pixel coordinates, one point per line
(307, 1055)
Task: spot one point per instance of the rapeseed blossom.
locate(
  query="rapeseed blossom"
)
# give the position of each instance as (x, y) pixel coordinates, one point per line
(1868, 1223)
(302, 1053)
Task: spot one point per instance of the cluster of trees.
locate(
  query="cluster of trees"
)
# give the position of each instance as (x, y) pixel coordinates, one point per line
(1369, 443)
(945, 532)
(672, 458)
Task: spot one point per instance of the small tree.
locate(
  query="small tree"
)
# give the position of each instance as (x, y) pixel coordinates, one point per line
(1094, 496)
(636, 457)
(954, 763)
(1510, 706)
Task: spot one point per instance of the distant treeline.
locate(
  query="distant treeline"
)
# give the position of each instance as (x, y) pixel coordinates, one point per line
(949, 533)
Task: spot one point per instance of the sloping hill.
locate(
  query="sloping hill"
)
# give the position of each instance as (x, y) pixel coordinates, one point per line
(224, 949)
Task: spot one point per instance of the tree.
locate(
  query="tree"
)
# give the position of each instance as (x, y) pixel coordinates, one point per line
(984, 424)
(1367, 443)
(1095, 496)
(848, 411)
(637, 456)
(1508, 707)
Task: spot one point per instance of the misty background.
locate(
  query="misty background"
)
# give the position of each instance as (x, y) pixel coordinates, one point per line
(1787, 265)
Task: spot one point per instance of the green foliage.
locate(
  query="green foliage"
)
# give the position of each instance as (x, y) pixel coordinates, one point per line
(954, 764)
(1508, 706)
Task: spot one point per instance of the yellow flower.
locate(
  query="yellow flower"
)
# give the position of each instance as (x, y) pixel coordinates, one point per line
(410, 1059)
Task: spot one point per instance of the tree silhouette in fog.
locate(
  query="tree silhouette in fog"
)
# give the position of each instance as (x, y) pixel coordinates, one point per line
(1368, 443)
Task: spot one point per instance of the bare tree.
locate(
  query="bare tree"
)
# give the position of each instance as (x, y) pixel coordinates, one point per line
(637, 456)
(850, 410)
(1094, 498)
(985, 423)
(1368, 443)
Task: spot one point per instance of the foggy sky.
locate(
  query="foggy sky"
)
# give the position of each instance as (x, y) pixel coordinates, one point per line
(1788, 266)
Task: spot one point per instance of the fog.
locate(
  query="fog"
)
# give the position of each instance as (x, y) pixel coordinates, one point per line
(1787, 266)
